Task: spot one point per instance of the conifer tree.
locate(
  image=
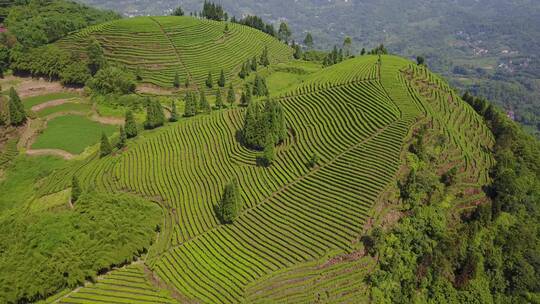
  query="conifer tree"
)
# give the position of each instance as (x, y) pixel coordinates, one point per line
(154, 115)
(231, 95)
(242, 74)
(122, 139)
(219, 99)
(221, 81)
(254, 64)
(105, 148)
(230, 205)
(176, 81)
(75, 189)
(297, 52)
(186, 84)
(204, 106)
(269, 153)
(96, 56)
(178, 12)
(130, 125)
(284, 33)
(363, 52)
(138, 74)
(308, 41)
(174, 112)
(226, 30)
(347, 46)
(265, 61)
(209, 81)
(248, 94)
(190, 108)
(17, 115)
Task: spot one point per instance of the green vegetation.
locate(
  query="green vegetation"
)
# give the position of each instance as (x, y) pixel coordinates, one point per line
(71, 133)
(65, 108)
(264, 124)
(33, 101)
(230, 205)
(17, 114)
(197, 46)
(47, 251)
(112, 80)
(154, 115)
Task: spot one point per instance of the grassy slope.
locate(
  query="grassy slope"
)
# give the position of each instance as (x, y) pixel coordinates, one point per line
(162, 46)
(354, 115)
(71, 133)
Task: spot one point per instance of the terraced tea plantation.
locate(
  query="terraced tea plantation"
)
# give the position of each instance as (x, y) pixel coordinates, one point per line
(163, 46)
(356, 116)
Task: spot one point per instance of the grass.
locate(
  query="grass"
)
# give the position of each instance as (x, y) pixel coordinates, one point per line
(71, 133)
(32, 101)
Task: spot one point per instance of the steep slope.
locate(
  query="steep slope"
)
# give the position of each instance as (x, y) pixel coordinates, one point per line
(357, 116)
(163, 46)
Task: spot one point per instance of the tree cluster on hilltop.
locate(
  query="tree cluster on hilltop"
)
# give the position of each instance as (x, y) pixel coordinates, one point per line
(264, 124)
(213, 11)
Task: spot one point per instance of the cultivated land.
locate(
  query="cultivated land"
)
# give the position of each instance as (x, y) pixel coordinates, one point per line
(358, 116)
(164, 46)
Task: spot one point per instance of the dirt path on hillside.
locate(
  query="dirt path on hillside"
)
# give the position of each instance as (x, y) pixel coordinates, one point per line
(50, 104)
(55, 152)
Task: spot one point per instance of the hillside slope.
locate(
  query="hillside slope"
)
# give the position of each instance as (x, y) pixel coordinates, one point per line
(357, 116)
(164, 46)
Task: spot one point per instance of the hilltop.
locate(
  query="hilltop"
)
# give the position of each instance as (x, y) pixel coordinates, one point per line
(357, 116)
(156, 48)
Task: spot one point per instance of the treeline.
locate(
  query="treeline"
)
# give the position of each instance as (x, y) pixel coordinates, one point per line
(488, 254)
(35, 23)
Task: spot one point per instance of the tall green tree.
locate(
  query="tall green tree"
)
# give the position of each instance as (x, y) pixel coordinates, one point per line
(209, 81)
(264, 60)
(105, 147)
(221, 81)
(190, 107)
(297, 51)
(130, 125)
(254, 64)
(269, 153)
(178, 12)
(259, 86)
(231, 95)
(230, 204)
(284, 33)
(219, 99)
(17, 115)
(308, 41)
(176, 80)
(122, 139)
(75, 189)
(204, 105)
(363, 52)
(347, 47)
(154, 115)
(96, 56)
(420, 60)
(264, 122)
(174, 112)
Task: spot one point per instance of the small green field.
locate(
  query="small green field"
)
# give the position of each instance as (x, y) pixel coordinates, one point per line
(32, 101)
(71, 133)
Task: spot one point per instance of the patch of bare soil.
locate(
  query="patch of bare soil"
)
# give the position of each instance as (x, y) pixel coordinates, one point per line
(353, 256)
(29, 87)
(61, 153)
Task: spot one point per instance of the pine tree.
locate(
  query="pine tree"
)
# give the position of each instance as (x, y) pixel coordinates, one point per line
(105, 148)
(154, 115)
(178, 12)
(259, 86)
(96, 56)
(308, 41)
(209, 81)
(176, 81)
(130, 125)
(264, 57)
(347, 46)
(269, 153)
(231, 95)
(363, 52)
(75, 189)
(186, 84)
(122, 139)
(248, 94)
(204, 106)
(138, 74)
(221, 81)
(242, 74)
(254, 64)
(174, 112)
(226, 30)
(297, 52)
(17, 115)
(230, 205)
(284, 33)
(219, 99)
(190, 108)
(420, 60)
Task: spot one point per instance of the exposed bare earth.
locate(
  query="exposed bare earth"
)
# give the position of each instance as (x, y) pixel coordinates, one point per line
(29, 87)
(50, 104)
